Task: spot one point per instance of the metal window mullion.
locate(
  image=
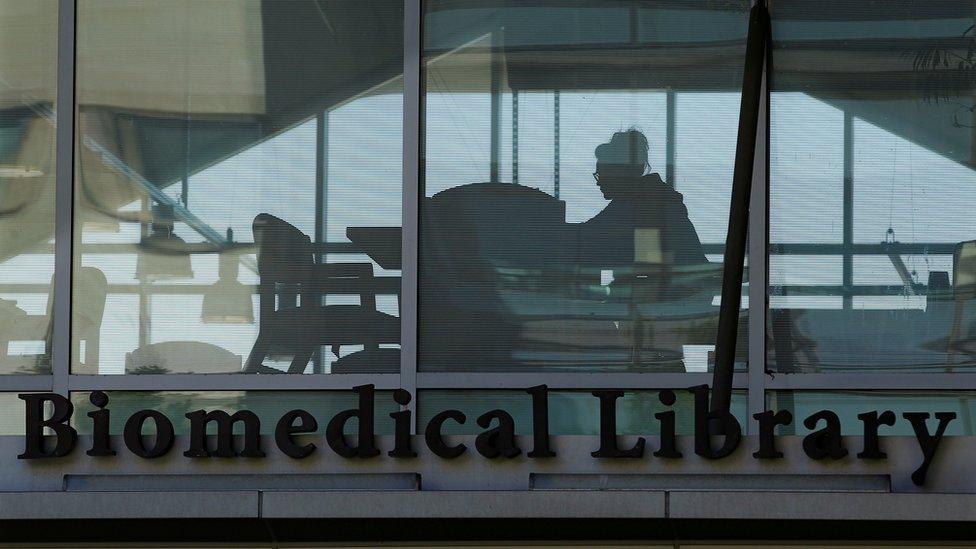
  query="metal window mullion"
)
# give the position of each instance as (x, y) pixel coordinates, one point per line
(64, 198)
(412, 137)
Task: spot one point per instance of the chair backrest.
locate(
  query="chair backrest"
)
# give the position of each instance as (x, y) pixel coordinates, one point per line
(481, 236)
(284, 252)
(286, 265)
(285, 259)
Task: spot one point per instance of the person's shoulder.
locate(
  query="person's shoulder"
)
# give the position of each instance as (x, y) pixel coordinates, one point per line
(653, 185)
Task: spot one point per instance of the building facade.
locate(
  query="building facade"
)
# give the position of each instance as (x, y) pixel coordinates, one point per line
(673, 272)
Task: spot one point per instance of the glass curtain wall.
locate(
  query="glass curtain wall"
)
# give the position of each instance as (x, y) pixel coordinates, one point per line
(28, 85)
(872, 185)
(238, 187)
(578, 163)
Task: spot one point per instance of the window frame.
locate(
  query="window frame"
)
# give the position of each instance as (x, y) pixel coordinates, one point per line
(755, 380)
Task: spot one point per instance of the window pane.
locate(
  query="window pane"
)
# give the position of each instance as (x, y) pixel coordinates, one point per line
(28, 83)
(529, 259)
(238, 186)
(872, 187)
(570, 412)
(848, 404)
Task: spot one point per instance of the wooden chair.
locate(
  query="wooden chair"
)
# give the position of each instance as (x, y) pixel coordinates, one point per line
(293, 319)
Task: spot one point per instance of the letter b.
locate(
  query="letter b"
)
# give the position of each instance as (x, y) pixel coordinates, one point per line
(64, 433)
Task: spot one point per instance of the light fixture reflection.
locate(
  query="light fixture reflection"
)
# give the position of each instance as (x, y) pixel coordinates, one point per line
(19, 172)
(227, 301)
(163, 255)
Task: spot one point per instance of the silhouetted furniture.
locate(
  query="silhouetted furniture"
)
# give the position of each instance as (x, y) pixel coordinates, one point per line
(381, 244)
(506, 284)
(88, 310)
(189, 357)
(294, 320)
(17, 325)
(482, 244)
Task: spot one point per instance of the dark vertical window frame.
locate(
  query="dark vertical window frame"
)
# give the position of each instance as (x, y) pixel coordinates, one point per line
(64, 198)
(412, 172)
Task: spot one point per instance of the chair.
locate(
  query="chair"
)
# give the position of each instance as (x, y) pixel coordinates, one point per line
(91, 289)
(293, 319)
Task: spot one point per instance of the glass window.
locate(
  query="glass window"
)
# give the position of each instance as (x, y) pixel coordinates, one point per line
(576, 183)
(238, 185)
(570, 412)
(28, 84)
(848, 404)
(872, 184)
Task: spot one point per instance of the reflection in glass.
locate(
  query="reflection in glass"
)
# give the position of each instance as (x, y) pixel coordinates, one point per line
(848, 404)
(238, 186)
(576, 183)
(28, 82)
(872, 188)
(570, 412)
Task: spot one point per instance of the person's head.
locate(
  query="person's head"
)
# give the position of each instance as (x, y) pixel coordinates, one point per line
(620, 161)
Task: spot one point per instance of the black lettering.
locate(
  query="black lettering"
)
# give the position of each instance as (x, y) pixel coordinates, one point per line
(401, 427)
(826, 442)
(500, 440)
(767, 438)
(540, 422)
(101, 443)
(132, 434)
(434, 439)
(926, 442)
(366, 445)
(872, 443)
(723, 423)
(286, 428)
(608, 429)
(225, 434)
(669, 440)
(65, 435)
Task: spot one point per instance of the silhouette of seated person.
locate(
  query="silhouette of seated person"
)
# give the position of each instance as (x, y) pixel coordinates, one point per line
(645, 227)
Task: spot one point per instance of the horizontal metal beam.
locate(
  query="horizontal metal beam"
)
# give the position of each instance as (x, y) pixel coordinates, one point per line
(569, 380)
(880, 381)
(230, 382)
(26, 383)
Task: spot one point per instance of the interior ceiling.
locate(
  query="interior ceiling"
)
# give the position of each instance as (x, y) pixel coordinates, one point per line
(872, 78)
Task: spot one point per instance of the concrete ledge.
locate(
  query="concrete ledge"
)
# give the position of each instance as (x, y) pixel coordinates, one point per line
(127, 505)
(535, 504)
(483, 504)
(822, 506)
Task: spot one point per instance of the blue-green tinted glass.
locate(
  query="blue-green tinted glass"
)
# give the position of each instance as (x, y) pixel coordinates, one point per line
(269, 406)
(848, 404)
(238, 186)
(570, 412)
(576, 185)
(872, 187)
(28, 82)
